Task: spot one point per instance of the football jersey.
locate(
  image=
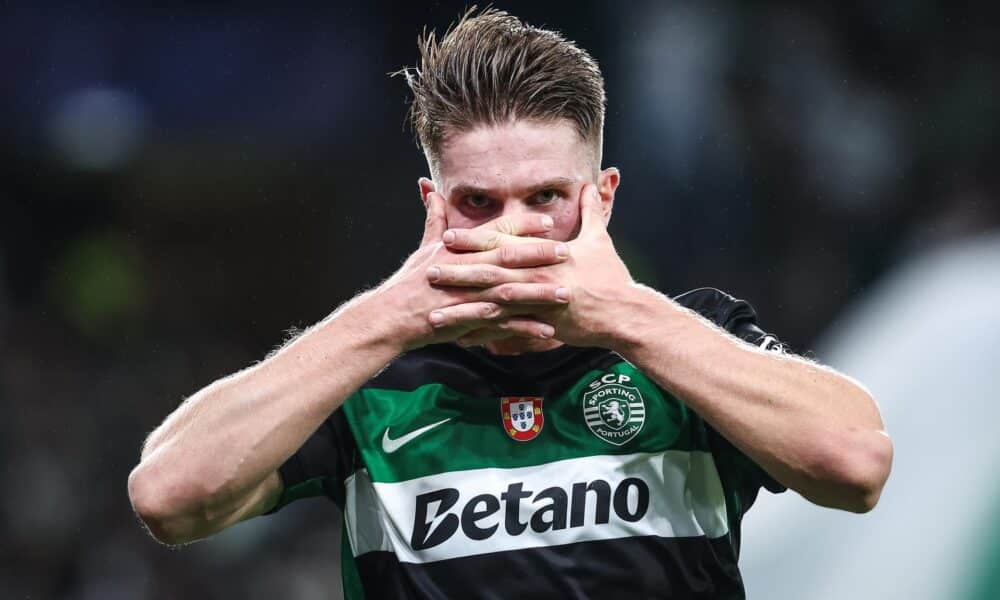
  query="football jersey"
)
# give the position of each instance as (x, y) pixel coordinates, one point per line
(566, 473)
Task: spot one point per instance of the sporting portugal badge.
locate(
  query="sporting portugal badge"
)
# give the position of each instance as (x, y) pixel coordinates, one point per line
(613, 410)
(522, 416)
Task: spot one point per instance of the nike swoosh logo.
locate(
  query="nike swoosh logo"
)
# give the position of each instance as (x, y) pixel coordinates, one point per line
(390, 445)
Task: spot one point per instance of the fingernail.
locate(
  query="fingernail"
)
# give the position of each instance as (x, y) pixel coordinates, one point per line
(448, 237)
(562, 294)
(547, 332)
(596, 194)
(547, 222)
(434, 273)
(562, 251)
(437, 318)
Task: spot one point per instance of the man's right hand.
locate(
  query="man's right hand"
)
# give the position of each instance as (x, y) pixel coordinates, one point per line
(409, 301)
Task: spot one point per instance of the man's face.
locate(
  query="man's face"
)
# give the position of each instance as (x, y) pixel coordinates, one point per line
(492, 171)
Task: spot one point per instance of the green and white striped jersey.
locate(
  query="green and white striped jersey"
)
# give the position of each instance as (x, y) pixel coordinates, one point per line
(565, 473)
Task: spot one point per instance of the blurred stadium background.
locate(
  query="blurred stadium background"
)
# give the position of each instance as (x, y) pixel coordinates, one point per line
(182, 184)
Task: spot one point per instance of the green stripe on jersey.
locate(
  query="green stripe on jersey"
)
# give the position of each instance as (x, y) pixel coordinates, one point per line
(473, 435)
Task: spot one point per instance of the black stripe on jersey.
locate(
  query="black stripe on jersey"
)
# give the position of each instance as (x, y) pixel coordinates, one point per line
(476, 372)
(690, 568)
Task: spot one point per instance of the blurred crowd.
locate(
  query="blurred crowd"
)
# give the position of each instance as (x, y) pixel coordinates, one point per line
(183, 185)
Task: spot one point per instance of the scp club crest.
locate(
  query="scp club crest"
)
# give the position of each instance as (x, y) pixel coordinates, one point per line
(613, 410)
(522, 416)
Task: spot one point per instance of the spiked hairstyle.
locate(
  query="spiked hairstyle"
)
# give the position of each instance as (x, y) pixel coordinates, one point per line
(490, 69)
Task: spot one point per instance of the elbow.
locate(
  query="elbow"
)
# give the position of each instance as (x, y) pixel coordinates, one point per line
(859, 471)
(875, 468)
(165, 509)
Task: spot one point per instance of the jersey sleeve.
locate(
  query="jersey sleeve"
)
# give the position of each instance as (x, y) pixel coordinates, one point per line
(320, 466)
(740, 319)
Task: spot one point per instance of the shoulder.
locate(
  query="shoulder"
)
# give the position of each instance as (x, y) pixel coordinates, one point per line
(717, 306)
(734, 315)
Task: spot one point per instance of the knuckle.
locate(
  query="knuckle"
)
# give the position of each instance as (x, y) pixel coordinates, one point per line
(490, 311)
(506, 293)
(486, 277)
(493, 240)
(508, 255)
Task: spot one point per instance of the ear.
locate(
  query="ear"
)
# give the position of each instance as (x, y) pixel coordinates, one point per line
(426, 187)
(607, 183)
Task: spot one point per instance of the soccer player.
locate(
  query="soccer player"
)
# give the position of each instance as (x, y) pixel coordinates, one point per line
(510, 414)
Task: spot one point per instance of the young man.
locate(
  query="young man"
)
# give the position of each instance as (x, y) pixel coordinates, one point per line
(605, 439)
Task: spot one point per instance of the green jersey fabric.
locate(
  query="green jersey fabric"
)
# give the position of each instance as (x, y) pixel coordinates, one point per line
(566, 473)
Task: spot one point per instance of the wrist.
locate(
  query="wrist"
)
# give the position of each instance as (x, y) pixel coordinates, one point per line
(643, 314)
(371, 321)
(393, 312)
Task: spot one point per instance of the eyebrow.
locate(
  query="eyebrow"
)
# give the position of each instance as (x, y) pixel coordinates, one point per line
(464, 189)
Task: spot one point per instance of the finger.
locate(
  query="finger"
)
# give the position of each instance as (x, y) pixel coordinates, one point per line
(592, 217)
(480, 240)
(526, 293)
(436, 222)
(469, 314)
(535, 254)
(476, 314)
(480, 275)
(508, 328)
(520, 224)
(527, 327)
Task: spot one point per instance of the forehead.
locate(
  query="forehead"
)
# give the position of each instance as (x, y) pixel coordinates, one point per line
(512, 155)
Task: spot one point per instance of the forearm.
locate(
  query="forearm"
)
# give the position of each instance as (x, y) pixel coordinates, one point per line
(225, 439)
(811, 428)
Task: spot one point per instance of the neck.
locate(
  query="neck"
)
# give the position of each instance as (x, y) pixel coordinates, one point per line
(514, 346)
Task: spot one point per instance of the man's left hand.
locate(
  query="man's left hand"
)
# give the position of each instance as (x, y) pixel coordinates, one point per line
(594, 277)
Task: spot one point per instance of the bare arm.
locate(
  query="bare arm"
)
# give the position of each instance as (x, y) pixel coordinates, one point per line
(813, 429)
(213, 462)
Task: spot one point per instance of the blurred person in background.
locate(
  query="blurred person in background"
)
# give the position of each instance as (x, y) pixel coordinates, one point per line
(511, 401)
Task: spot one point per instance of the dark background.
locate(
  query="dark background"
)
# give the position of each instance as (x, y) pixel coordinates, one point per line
(181, 185)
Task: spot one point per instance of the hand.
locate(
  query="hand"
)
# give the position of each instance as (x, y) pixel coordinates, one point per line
(406, 303)
(594, 279)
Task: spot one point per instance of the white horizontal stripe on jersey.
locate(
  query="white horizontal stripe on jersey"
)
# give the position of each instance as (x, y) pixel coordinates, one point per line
(685, 498)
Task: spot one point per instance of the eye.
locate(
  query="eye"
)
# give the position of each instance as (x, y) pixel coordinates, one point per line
(546, 196)
(478, 202)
